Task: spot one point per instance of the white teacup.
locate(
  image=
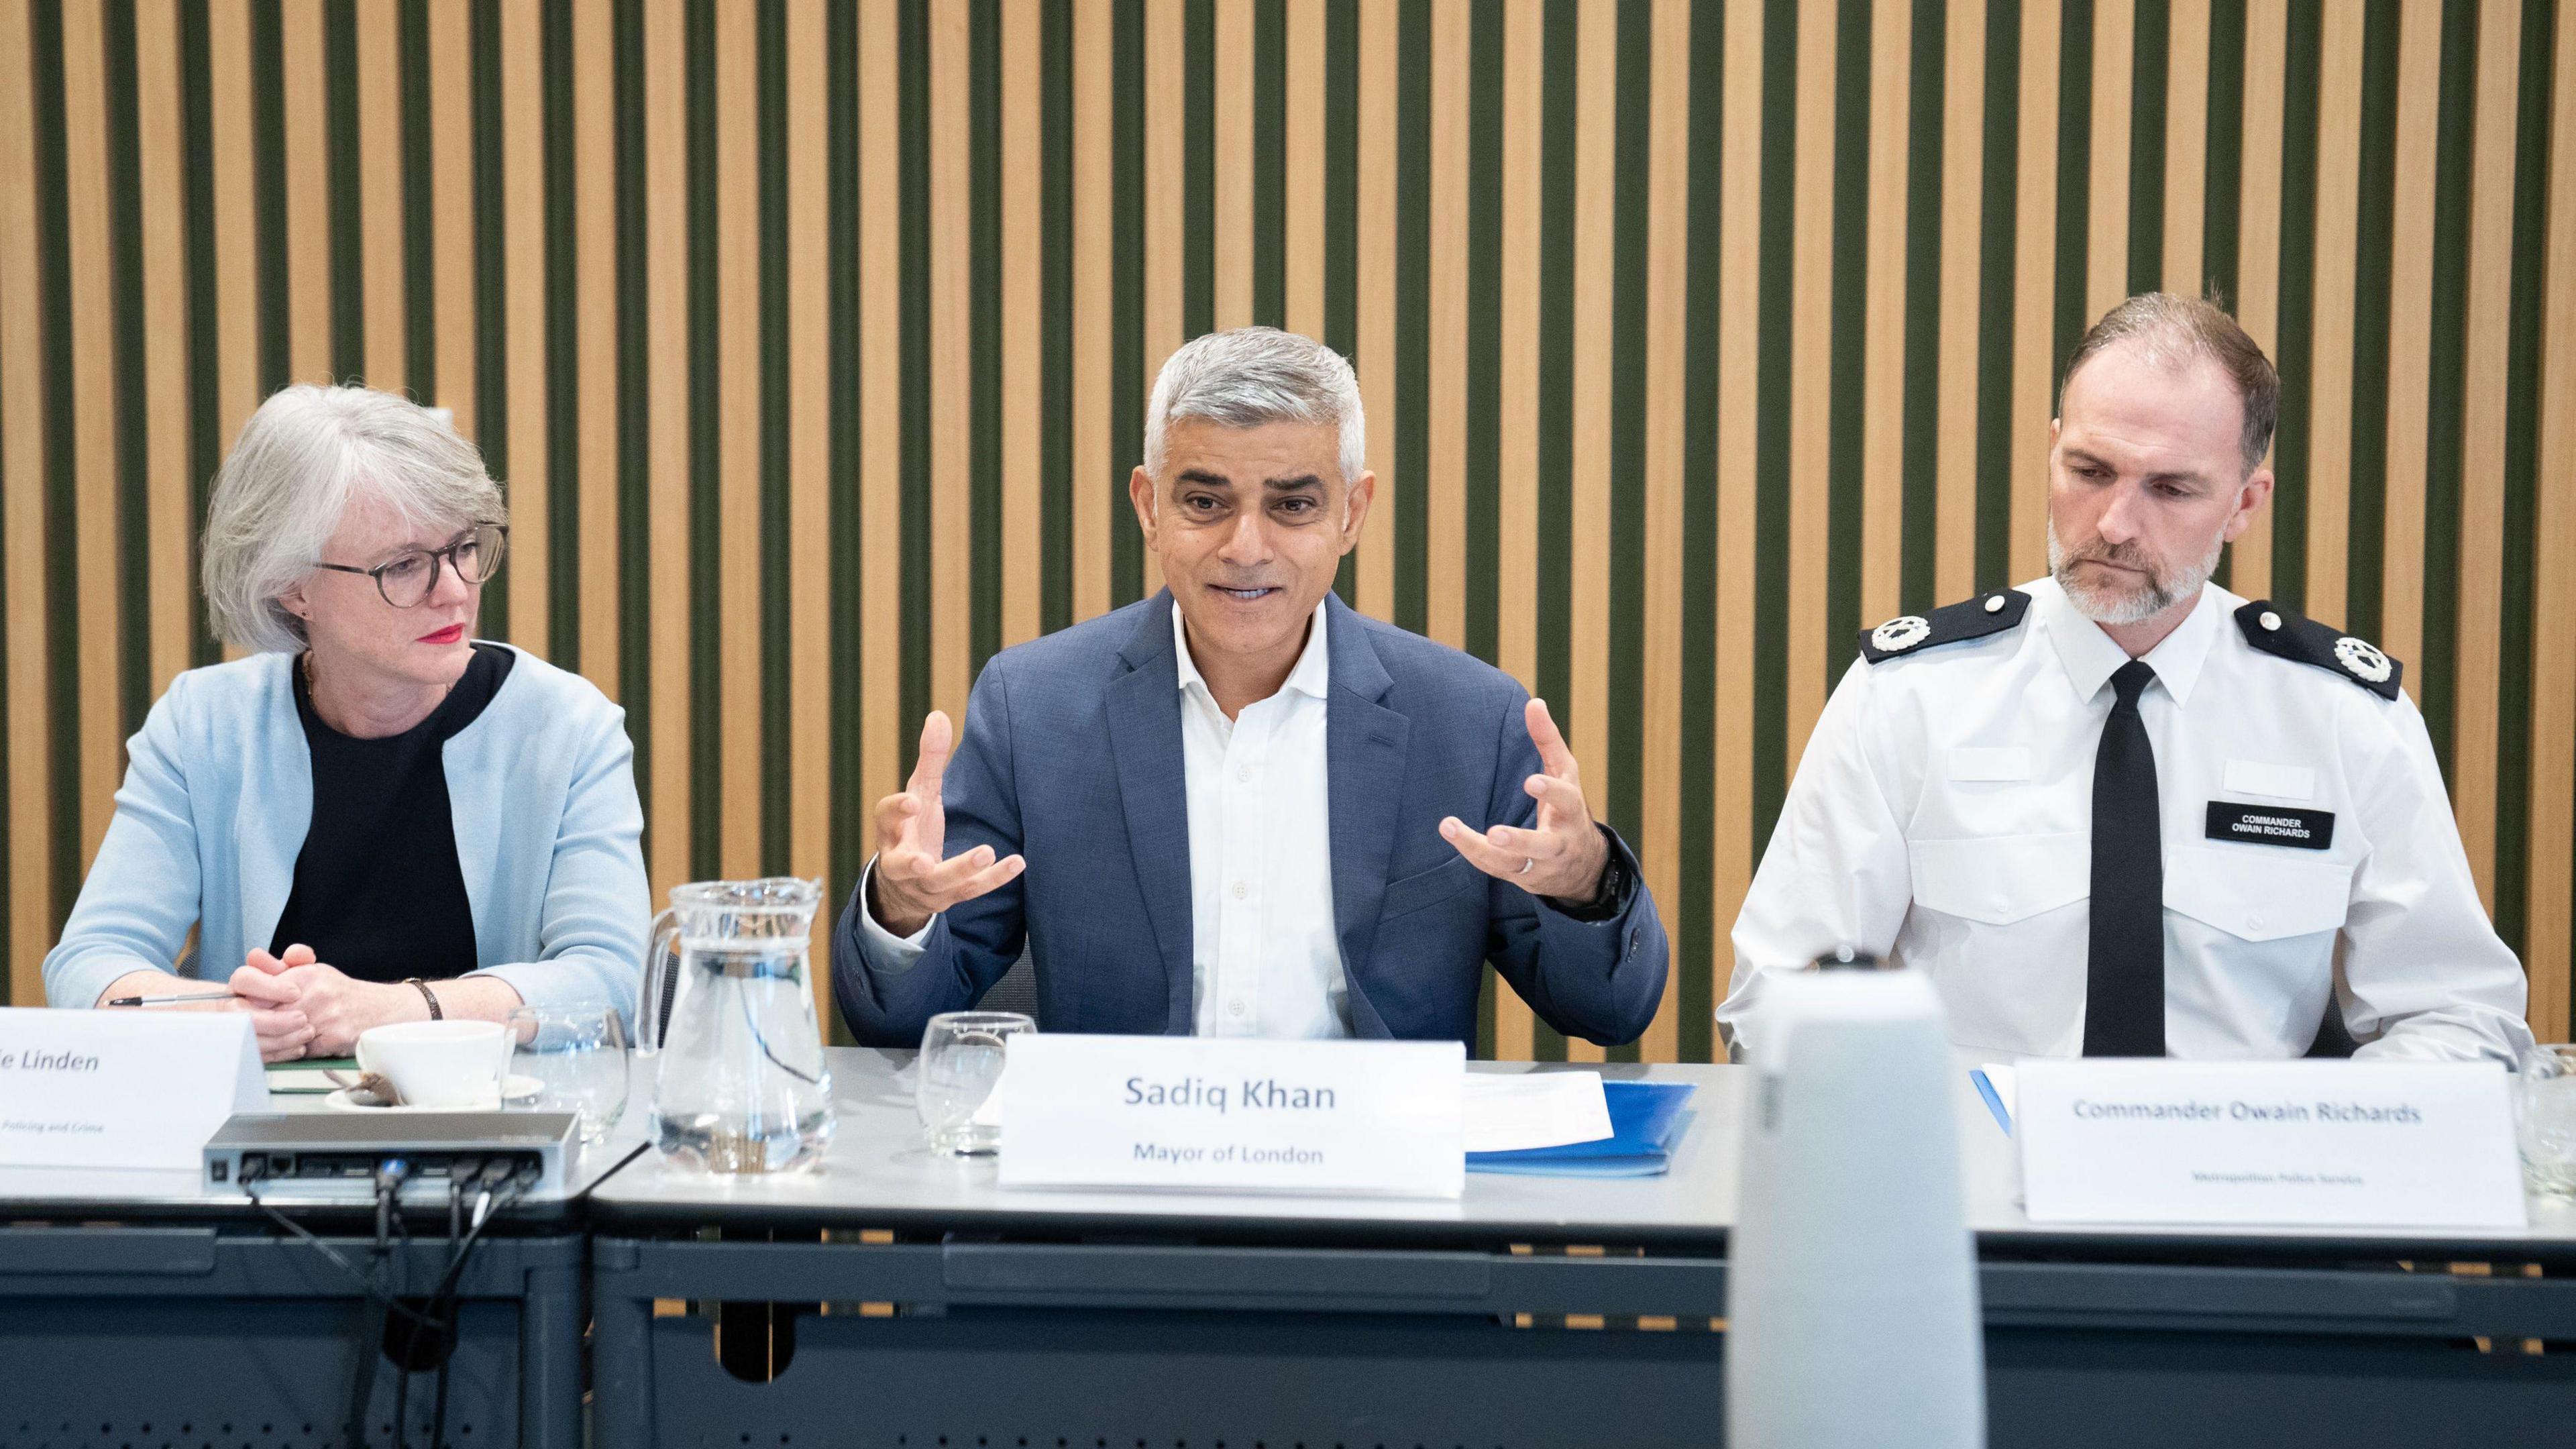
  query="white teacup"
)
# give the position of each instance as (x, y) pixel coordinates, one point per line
(456, 1065)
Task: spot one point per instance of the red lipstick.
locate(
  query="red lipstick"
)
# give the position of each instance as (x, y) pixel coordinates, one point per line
(448, 635)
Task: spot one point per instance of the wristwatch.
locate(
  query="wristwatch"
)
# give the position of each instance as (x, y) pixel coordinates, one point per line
(1608, 898)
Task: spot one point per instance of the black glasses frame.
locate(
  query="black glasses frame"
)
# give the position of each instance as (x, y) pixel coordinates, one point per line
(472, 537)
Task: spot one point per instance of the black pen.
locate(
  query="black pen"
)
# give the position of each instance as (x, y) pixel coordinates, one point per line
(171, 1000)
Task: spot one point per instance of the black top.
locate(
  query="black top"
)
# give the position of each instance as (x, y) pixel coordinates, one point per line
(378, 892)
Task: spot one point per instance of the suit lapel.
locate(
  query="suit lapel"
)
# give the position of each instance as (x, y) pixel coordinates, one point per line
(1144, 709)
(1365, 746)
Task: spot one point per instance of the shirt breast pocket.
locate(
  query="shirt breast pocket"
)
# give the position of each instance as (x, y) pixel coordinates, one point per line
(2257, 894)
(1998, 880)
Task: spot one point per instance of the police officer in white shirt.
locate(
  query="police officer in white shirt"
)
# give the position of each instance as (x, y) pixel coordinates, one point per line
(2121, 811)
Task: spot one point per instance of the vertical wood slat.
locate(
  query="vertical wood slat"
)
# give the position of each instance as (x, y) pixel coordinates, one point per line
(1963, 164)
(2331, 405)
(307, 128)
(1098, 483)
(168, 402)
(666, 339)
(1230, 90)
(738, 437)
(2482, 451)
(2550, 932)
(2258, 264)
(1666, 451)
(1882, 514)
(25, 585)
(523, 293)
(952, 356)
(1583, 716)
(594, 119)
(1739, 253)
(1023, 168)
(237, 379)
(1811, 361)
(1374, 284)
(1166, 196)
(452, 224)
(809, 464)
(2410, 330)
(1305, 107)
(2106, 269)
(2034, 345)
(2186, 145)
(375, 26)
(1516, 413)
(881, 726)
(1445, 403)
(94, 403)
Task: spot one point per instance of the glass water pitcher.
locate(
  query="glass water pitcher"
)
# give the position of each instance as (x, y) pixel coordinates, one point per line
(727, 1019)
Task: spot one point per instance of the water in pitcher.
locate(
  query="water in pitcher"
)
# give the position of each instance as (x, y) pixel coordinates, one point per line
(743, 1088)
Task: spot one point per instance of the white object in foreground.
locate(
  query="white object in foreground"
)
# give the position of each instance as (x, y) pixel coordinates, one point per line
(1233, 1115)
(122, 1089)
(2313, 1144)
(1852, 1310)
(1517, 1111)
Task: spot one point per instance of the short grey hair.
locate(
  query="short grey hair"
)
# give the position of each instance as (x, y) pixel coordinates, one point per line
(2172, 330)
(1247, 376)
(289, 479)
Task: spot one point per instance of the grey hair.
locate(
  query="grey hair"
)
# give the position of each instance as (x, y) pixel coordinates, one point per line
(1247, 376)
(289, 479)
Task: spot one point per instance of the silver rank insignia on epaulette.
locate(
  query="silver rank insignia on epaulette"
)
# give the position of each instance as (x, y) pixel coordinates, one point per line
(1975, 619)
(2276, 631)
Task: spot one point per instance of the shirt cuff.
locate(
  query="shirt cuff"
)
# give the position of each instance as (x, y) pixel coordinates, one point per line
(884, 950)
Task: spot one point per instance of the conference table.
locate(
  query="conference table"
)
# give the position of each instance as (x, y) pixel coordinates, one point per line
(899, 1298)
(136, 1309)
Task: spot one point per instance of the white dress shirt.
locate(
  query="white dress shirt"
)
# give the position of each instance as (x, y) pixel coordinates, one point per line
(1264, 957)
(1942, 815)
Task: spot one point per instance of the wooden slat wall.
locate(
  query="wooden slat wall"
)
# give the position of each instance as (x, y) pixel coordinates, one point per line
(1692, 333)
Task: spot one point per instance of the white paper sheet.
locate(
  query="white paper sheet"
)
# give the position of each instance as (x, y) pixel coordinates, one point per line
(1534, 1109)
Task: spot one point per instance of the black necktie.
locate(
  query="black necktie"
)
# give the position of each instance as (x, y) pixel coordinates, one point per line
(2124, 977)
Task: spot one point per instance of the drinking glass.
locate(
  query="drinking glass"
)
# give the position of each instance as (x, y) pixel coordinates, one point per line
(576, 1056)
(961, 1062)
(2544, 1101)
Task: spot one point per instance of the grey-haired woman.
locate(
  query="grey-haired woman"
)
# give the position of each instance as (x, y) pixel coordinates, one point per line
(374, 817)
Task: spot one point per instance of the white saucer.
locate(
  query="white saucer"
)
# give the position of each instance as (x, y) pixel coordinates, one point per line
(516, 1090)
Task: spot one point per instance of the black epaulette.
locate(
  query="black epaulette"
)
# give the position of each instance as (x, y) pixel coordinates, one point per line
(1913, 633)
(2275, 630)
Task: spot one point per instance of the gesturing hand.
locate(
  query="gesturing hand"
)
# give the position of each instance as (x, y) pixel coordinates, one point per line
(1562, 855)
(912, 882)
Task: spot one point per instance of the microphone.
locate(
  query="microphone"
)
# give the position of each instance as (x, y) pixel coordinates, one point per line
(1852, 1306)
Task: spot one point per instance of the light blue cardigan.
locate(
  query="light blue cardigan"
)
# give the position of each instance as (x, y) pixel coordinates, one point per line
(219, 794)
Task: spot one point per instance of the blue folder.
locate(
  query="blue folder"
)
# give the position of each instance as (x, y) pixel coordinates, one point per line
(1645, 1117)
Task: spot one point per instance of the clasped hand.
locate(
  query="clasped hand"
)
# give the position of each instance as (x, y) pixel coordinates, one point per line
(1561, 855)
(301, 1007)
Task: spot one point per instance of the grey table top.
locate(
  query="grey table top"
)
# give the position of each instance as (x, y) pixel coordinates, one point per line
(34, 1191)
(880, 1172)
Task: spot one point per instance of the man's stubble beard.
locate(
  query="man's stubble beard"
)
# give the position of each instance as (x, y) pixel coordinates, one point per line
(2153, 596)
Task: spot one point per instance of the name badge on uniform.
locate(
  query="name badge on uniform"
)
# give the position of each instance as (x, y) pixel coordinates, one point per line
(2271, 825)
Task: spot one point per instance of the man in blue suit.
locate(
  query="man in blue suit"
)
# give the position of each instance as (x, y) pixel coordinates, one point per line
(1238, 808)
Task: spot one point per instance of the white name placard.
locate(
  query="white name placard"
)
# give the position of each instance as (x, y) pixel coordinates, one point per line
(122, 1088)
(1234, 1115)
(2321, 1144)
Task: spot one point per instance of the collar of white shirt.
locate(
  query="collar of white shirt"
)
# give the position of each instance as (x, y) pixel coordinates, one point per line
(2091, 656)
(1312, 674)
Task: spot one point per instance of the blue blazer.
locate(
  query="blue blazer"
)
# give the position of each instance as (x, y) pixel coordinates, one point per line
(218, 797)
(1072, 757)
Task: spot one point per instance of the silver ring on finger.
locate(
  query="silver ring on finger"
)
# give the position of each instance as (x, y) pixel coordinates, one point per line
(1526, 862)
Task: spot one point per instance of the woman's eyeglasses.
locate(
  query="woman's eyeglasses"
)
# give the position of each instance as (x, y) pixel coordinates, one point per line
(408, 578)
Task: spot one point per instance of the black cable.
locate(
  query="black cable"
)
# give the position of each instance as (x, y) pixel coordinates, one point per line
(517, 1186)
(367, 1285)
(402, 1378)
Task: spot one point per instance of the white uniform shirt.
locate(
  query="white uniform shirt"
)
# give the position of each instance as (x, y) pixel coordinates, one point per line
(1264, 959)
(1942, 816)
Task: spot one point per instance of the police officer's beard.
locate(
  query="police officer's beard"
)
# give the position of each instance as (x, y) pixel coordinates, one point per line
(2155, 593)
